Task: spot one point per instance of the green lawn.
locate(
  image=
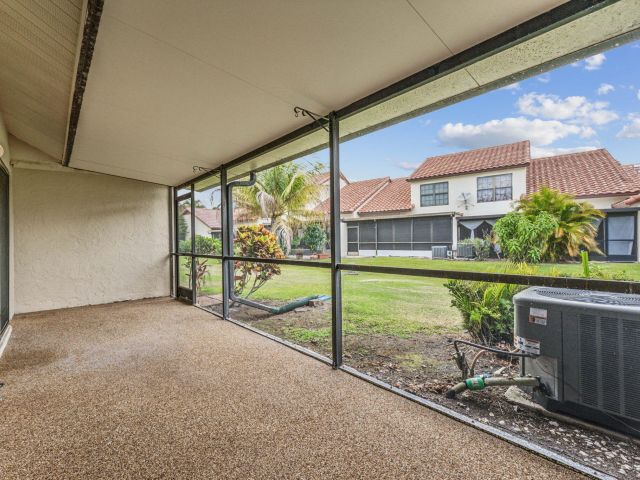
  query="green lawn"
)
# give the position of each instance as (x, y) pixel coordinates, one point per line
(389, 304)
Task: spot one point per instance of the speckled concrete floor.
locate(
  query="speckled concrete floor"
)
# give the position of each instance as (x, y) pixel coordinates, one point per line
(158, 389)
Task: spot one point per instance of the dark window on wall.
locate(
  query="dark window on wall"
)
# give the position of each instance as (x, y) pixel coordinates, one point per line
(495, 188)
(432, 194)
(621, 236)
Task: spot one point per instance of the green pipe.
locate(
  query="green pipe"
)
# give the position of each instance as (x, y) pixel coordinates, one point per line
(480, 382)
(282, 309)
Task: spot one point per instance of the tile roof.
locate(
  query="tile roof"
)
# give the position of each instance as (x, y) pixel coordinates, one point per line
(480, 160)
(583, 174)
(211, 217)
(208, 216)
(323, 177)
(354, 194)
(395, 196)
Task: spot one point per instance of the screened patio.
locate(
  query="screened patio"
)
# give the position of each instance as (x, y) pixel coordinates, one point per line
(130, 346)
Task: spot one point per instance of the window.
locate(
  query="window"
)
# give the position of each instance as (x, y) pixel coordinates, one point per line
(494, 188)
(621, 233)
(433, 194)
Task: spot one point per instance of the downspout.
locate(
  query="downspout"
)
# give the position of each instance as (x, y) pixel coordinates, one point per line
(229, 230)
(230, 286)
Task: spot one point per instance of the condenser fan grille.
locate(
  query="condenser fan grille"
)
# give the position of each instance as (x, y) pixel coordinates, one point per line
(585, 296)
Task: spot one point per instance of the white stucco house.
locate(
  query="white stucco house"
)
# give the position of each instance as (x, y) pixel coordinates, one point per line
(461, 195)
(207, 222)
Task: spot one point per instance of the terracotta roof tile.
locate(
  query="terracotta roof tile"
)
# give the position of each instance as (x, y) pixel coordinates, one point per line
(211, 217)
(395, 196)
(583, 174)
(480, 160)
(353, 195)
(323, 177)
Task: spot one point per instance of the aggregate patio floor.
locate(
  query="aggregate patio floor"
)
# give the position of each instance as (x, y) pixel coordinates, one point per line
(159, 389)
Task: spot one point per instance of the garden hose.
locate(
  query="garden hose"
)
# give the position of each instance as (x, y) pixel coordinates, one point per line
(278, 310)
(480, 382)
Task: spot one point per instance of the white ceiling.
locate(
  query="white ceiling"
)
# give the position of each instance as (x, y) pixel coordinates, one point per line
(200, 82)
(38, 45)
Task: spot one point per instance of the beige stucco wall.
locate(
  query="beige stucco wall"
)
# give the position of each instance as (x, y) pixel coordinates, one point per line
(84, 238)
(6, 162)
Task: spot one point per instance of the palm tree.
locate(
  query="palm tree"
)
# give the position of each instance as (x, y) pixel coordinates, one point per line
(286, 194)
(577, 222)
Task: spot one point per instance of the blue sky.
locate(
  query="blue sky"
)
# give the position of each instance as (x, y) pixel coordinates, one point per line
(594, 103)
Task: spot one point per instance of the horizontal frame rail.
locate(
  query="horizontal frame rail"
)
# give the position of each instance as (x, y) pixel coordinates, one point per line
(277, 261)
(576, 283)
(281, 261)
(616, 286)
(189, 254)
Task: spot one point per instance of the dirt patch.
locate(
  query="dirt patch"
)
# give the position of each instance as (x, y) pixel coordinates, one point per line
(423, 364)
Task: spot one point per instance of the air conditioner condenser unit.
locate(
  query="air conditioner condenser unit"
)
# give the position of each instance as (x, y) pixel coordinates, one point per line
(587, 353)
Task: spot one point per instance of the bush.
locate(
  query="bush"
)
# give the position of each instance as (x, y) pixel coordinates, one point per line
(183, 228)
(575, 222)
(525, 238)
(486, 307)
(205, 246)
(258, 242)
(315, 238)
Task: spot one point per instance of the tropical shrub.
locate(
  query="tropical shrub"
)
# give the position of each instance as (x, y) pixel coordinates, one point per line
(315, 237)
(283, 194)
(576, 222)
(257, 242)
(486, 307)
(524, 238)
(205, 246)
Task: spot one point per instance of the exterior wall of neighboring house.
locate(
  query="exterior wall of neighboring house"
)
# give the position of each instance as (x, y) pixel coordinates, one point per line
(201, 227)
(84, 238)
(468, 184)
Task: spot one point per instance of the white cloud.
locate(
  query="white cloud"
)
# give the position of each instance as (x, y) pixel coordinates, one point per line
(594, 62)
(605, 88)
(513, 86)
(408, 165)
(546, 78)
(631, 129)
(537, 152)
(638, 94)
(495, 132)
(574, 109)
